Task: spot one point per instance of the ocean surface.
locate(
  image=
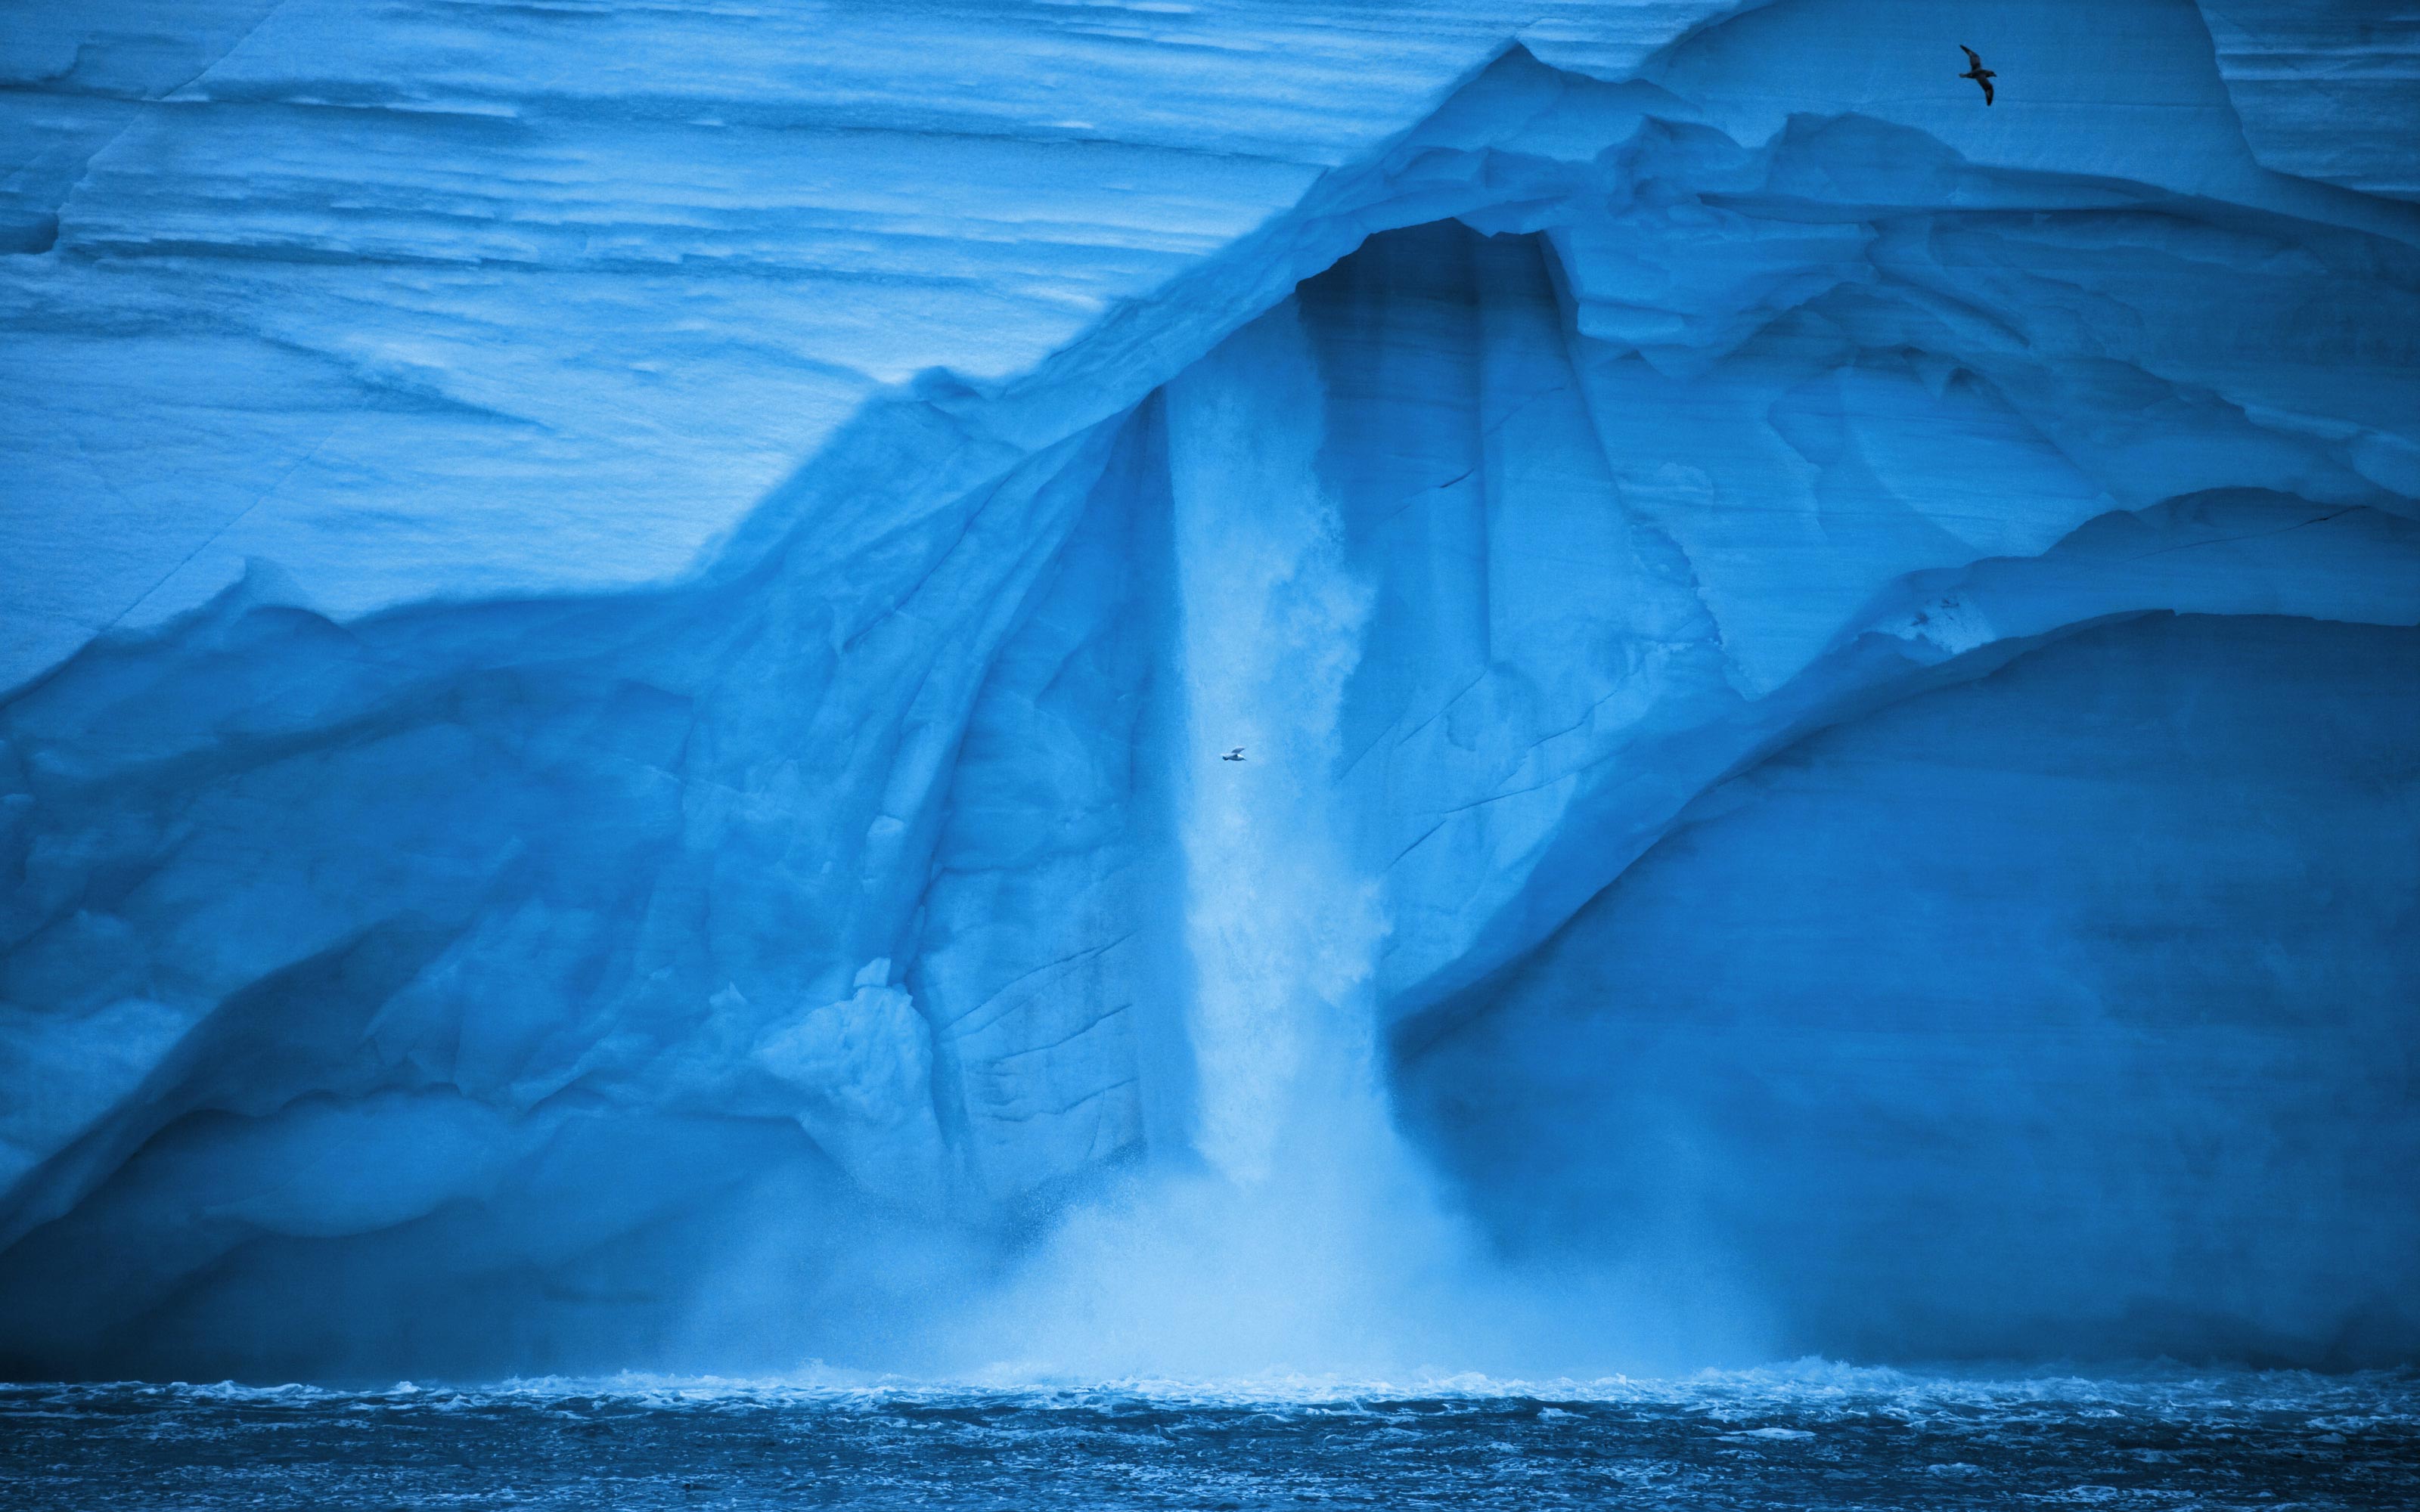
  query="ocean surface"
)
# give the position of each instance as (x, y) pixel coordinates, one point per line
(1811, 1435)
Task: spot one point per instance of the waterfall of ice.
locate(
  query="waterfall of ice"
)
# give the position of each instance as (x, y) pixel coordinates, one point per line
(1304, 1235)
(1282, 932)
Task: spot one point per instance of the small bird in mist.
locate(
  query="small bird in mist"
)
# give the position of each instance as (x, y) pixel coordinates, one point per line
(1976, 72)
(1235, 755)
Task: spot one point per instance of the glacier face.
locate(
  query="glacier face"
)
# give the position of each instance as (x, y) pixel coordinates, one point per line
(1971, 995)
(1827, 677)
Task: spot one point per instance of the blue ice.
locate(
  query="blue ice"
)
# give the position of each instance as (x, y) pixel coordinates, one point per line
(616, 689)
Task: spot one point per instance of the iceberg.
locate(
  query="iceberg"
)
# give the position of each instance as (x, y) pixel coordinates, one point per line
(617, 676)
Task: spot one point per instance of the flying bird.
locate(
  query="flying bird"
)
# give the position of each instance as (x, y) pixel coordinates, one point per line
(1235, 755)
(1976, 72)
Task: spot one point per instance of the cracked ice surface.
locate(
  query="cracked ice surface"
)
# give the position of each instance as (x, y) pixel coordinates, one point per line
(1529, 461)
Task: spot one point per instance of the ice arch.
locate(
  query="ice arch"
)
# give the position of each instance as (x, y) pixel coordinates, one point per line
(728, 967)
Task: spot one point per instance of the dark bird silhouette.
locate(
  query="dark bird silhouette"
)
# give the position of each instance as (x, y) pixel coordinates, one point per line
(1235, 755)
(1976, 72)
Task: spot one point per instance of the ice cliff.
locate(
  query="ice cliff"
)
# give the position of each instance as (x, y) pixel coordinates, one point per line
(621, 620)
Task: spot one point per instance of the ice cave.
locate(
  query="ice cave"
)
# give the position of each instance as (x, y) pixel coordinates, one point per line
(621, 622)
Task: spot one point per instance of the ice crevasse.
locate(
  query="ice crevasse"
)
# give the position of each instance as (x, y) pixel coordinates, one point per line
(619, 665)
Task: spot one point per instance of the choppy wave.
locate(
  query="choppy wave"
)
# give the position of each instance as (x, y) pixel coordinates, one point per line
(1811, 1433)
(1811, 1387)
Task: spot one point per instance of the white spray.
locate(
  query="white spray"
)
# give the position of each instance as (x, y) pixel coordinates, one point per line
(1309, 1240)
(1283, 932)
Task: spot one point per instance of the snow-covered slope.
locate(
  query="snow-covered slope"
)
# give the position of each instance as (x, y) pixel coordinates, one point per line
(1531, 452)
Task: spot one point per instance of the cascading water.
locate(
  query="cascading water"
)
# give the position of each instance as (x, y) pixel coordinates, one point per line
(1281, 931)
(1296, 1232)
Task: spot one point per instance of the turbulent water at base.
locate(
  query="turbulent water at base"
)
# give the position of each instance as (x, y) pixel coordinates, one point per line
(1809, 1435)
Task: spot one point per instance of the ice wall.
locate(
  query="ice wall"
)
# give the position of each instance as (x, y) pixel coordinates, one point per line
(2086, 985)
(1531, 476)
(555, 294)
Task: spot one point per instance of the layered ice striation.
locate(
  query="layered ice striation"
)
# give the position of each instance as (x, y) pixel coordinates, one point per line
(1828, 675)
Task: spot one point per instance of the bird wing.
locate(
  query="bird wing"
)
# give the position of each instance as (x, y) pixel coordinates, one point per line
(1986, 89)
(1972, 61)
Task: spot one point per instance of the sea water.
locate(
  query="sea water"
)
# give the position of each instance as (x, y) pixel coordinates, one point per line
(1810, 1435)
